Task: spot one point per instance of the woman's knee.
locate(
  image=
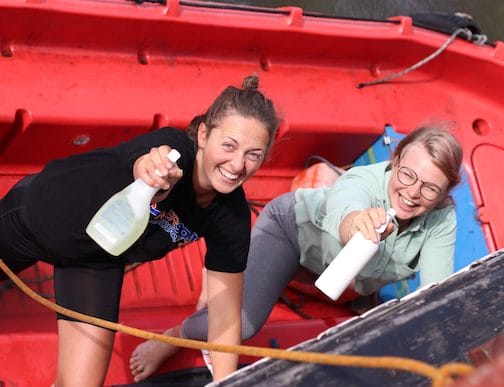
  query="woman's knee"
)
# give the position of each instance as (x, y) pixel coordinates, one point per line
(195, 327)
(252, 323)
(84, 353)
(249, 331)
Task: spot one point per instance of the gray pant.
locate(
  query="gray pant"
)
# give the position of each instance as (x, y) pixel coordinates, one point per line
(273, 261)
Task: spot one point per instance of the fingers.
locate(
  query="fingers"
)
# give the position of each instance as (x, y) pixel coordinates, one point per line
(161, 161)
(367, 221)
(146, 170)
(157, 169)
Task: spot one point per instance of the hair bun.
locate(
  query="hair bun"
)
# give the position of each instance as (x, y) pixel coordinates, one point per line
(251, 82)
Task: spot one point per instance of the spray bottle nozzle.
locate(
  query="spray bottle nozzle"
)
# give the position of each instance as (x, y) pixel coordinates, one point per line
(390, 214)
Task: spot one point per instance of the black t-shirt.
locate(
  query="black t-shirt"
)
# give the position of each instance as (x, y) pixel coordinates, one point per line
(61, 200)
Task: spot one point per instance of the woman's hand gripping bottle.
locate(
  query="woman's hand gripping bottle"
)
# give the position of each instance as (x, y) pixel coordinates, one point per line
(124, 217)
(349, 262)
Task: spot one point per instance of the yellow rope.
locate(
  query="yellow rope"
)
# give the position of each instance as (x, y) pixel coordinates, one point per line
(441, 377)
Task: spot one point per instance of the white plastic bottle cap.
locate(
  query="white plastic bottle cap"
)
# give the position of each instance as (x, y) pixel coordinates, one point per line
(173, 155)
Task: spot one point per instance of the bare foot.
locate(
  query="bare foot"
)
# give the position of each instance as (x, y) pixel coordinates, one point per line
(150, 355)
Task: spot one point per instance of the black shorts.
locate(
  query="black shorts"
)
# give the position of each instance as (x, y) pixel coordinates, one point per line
(92, 288)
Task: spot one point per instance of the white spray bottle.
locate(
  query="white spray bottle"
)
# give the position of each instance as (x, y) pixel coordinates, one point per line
(123, 218)
(335, 279)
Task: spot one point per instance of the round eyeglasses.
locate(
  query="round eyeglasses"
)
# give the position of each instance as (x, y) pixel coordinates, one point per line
(408, 177)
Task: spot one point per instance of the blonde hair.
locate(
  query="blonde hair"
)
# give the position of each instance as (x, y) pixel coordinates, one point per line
(443, 148)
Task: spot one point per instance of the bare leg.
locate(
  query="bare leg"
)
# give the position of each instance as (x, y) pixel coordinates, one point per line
(84, 352)
(150, 355)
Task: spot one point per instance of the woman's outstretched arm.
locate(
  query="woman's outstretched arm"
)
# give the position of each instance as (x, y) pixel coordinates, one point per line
(224, 318)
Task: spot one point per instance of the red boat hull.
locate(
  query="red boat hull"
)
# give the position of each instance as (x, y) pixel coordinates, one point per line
(85, 74)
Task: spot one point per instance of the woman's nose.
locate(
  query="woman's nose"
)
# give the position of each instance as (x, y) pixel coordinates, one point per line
(414, 190)
(238, 162)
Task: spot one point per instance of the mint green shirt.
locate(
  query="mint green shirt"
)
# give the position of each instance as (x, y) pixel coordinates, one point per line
(426, 246)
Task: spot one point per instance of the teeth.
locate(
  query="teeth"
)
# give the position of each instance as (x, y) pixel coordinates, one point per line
(407, 202)
(228, 175)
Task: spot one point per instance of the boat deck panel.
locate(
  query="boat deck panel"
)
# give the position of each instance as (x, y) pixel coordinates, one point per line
(435, 325)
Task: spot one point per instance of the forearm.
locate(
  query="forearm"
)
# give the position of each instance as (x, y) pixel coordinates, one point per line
(224, 363)
(224, 319)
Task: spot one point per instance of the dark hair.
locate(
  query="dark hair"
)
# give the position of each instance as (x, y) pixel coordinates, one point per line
(444, 150)
(248, 102)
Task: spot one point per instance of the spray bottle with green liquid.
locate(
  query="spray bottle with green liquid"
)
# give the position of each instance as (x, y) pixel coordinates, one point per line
(124, 217)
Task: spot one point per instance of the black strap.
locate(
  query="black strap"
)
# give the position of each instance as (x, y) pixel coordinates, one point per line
(445, 22)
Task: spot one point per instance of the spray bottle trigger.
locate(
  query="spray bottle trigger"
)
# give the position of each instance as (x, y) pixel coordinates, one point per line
(390, 214)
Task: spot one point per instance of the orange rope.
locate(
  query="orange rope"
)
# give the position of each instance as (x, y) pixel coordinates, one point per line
(441, 377)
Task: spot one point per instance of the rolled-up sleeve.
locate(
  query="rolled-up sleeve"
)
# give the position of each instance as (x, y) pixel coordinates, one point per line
(354, 191)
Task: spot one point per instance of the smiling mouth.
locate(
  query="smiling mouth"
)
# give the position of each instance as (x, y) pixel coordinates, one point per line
(407, 202)
(228, 175)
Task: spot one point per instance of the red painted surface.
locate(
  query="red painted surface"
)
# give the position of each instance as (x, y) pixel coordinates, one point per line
(487, 160)
(82, 74)
(489, 360)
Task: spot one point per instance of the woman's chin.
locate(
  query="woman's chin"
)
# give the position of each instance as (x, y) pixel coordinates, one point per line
(226, 187)
(403, 211)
